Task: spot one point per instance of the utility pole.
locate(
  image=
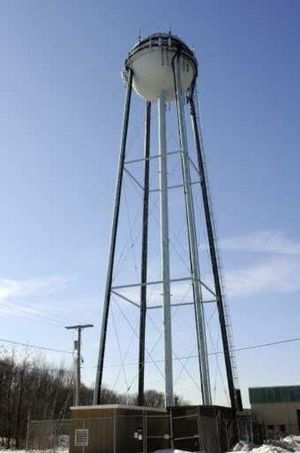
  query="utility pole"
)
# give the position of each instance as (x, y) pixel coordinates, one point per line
(77, 347)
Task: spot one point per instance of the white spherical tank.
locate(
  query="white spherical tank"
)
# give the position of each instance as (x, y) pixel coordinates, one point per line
(152, 64)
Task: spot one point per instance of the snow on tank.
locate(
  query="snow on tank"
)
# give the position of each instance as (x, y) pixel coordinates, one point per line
(151, 61)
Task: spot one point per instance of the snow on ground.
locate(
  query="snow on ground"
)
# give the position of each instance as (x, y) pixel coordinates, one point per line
(288, 444)
(67, 451)
(171, 451)
(34, 451)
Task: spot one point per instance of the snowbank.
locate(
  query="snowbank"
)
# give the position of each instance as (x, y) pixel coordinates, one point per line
(34, 451)
(171, 451)
(288, 444)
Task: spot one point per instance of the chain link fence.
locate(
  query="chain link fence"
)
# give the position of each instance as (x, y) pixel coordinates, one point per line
(140, 433)
(48, 435)
(147, 433)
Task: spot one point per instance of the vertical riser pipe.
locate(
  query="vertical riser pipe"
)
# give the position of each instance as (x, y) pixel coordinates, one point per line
(164, 245)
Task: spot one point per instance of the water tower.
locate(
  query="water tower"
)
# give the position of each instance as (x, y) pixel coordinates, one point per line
(163, 70)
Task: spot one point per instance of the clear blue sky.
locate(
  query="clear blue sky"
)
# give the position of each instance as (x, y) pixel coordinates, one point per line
(60, 114)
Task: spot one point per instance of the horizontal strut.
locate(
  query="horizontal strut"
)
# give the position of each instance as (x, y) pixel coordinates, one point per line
(153, 307)
(176, 186)
(181, 304)
(159, 282)
(155, 156)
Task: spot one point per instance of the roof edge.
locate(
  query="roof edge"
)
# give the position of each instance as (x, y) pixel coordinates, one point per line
(118, 406)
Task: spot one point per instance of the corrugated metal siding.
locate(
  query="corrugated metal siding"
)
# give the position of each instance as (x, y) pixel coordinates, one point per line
(286, 394)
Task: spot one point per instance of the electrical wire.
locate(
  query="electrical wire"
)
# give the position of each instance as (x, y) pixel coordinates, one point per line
(27, 313)
(28, 345)
(246, 348)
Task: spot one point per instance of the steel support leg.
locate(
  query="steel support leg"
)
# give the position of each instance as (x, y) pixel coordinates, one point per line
(164, 244)
(107, 296)
(213, 253)
(143, 302)
(193, 243)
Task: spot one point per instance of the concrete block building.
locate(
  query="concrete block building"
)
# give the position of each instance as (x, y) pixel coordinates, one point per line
(277, 408)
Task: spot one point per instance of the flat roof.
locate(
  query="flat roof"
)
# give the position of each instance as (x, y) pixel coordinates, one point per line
(274, 394)
(275, 386)
(118, 406)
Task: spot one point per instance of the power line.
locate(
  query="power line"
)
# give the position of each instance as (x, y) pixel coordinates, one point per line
(246, 348)
(28, 345)
(257, 346)
(263, 345)
(27, 313)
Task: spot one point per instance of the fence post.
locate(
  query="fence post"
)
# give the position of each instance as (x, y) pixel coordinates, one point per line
(218, 420)
(115, 431)
(198, 420)
(27, 431)
(145, 432)
(251, 429)
(171, 429)
(84, 427)
(54, 435)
